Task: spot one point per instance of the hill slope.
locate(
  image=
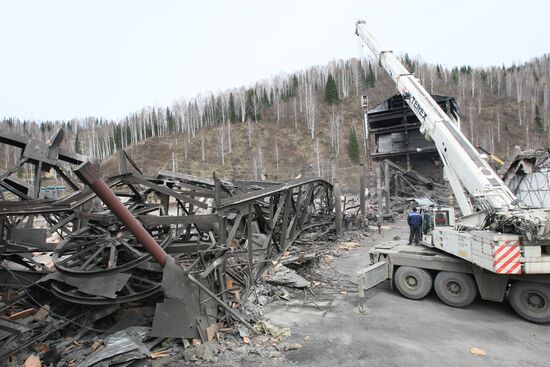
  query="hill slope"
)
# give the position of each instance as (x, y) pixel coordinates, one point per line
(284, 126)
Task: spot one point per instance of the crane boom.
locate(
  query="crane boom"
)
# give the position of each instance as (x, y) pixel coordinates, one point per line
(485, 201)
(464, 166)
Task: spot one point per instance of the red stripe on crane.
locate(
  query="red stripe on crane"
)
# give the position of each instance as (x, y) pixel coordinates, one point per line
(507, 262)
(501, 247)
(505, 255)
(514, 269)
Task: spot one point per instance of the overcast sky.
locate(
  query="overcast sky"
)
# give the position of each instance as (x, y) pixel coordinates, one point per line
(65, 59)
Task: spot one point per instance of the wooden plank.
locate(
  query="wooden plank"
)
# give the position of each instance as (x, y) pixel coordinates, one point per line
(21, 314)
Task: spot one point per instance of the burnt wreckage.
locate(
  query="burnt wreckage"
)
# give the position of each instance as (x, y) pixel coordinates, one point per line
(192, 247)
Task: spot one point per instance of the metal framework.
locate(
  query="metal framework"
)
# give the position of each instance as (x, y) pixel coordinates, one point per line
(183, 242)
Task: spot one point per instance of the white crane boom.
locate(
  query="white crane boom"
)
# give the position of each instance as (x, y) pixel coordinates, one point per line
(464, 167)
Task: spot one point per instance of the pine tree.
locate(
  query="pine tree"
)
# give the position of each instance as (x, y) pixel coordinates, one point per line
(362, 76)
(371, 77)
(170, 121)
(232, 113)
(128, 133)
(294, 86)
(409, 64)
(537, 121)
(219, 110)
(117, 137)
(265, 98)
(331, 92)
(154, 123)
(77, 145)
(454, 75)
(466, 69)
(353, 147)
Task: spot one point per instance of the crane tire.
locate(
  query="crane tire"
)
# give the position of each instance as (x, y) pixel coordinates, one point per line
(455, 289)
(531, 301)
(413, 283)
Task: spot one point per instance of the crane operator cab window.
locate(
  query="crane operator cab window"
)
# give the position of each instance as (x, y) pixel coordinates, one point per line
(441, 218)
(437, 217)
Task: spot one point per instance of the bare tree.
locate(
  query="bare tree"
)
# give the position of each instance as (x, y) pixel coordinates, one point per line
(261, 164)
(242, 105)
(249, 130)
(471, 123)
(202, 145)
(519, 96)
(479, 98)
(498, 125)
(527, 136)
(186, 143)
(318, 156)
(335, 127)
(295, 115)
(258, 165)
(277, 101)
(310, 110)
(473, 80)
(277, 156)
(221, 143)
(255, 107)
(229, 142)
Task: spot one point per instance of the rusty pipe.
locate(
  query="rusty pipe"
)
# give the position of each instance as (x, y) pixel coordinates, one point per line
(87, 173)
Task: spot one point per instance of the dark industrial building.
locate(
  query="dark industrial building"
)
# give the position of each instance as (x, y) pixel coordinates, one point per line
(394, 129)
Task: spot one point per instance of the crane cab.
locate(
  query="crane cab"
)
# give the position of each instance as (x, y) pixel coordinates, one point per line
(433, 218)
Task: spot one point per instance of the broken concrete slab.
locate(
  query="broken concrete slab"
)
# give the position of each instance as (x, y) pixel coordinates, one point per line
(281, 275)
(265, 327)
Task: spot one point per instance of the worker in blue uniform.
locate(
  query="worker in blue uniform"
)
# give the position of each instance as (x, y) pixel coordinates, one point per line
(414, 219)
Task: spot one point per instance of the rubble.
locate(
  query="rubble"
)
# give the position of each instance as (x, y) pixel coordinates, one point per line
(121, 343)
(265, 327)
(74, 277)
(281, 275)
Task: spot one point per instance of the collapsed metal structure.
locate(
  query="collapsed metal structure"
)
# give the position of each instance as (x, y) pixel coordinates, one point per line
(527, 174)
(193, 246)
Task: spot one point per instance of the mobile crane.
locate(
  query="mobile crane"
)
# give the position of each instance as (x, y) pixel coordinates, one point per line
(498, 248)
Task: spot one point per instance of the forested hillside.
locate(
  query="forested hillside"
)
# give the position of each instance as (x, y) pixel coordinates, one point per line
(293, 124)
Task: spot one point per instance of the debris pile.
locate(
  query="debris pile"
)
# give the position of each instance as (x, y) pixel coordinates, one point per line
(406, 185)
(74, 276)
(397, 193)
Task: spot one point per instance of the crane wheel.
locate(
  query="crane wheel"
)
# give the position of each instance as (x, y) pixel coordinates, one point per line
(413, 283)
(455, 289)
(531, 300)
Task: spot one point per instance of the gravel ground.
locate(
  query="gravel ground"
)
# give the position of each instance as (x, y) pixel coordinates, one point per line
(400, 332)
